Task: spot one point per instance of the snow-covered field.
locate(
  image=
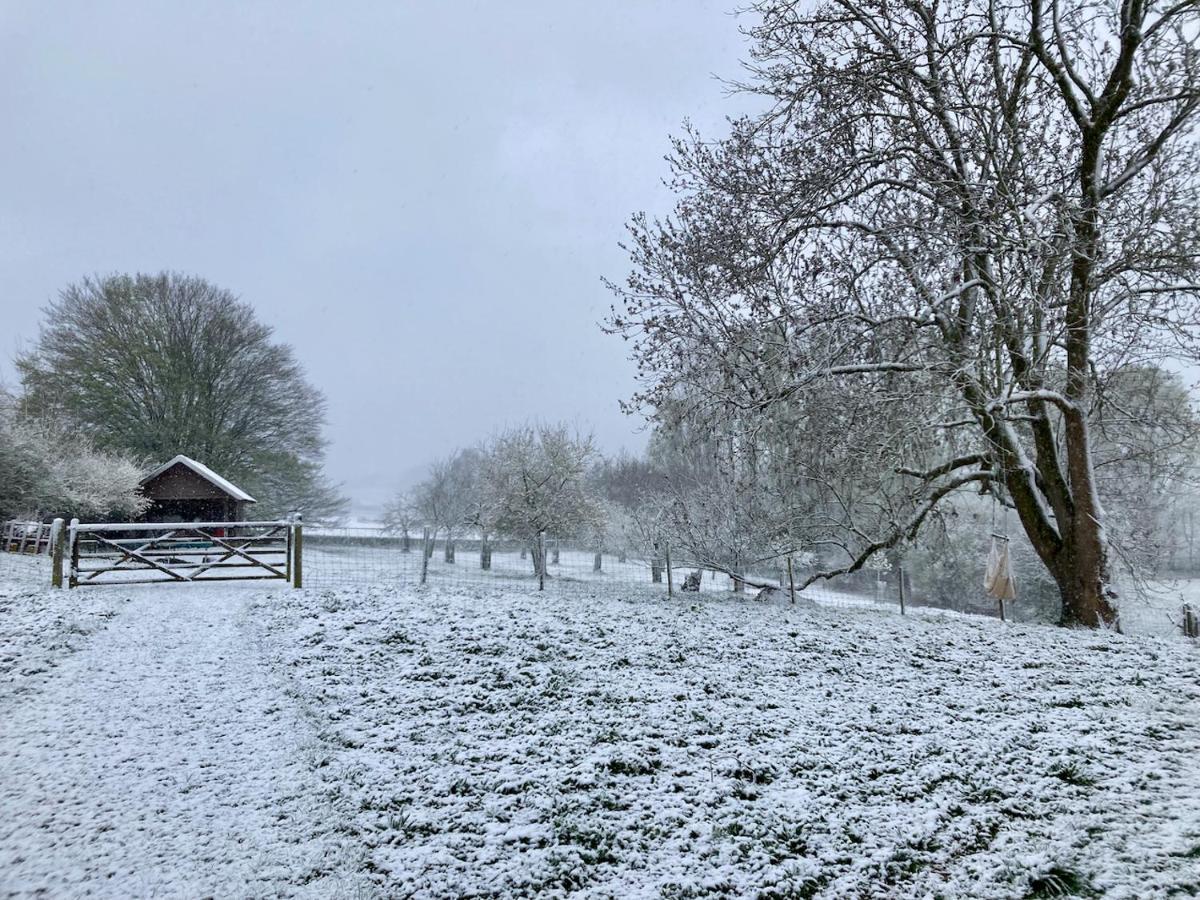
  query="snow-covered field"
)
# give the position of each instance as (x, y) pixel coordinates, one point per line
(242, 741)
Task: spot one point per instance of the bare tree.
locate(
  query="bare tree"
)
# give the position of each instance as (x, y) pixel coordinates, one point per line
(400, 515)
(979, 210)
(446, 499)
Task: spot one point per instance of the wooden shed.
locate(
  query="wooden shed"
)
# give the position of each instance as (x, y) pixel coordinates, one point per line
(183, 490)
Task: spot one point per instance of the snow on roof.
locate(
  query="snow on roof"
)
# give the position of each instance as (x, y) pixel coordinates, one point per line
(204, 472)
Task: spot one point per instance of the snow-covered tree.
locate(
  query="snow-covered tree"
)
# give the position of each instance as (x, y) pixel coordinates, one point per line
(973, 211)
(535, 478)
(46, 471)
(627, 483)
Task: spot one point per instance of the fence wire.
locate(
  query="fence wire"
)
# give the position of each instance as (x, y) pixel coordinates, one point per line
(336, 557)
(365, 556)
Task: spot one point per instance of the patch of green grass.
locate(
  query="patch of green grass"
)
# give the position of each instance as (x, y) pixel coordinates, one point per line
(692, 891)
(755, 775)
(785, 841)
(619, 766)
(1068, 703)
(1071, 773)
(1060, 882)
(730, 830)
(594, 845)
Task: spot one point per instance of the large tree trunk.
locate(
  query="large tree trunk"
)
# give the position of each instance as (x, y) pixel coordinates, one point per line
(1083, 577)
(1087, 598)
(405, 542)
(1082, 574)
(1072, 546)
(485, 553)
(449, 551)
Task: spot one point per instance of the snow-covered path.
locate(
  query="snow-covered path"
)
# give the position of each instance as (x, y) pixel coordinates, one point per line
(163, 759)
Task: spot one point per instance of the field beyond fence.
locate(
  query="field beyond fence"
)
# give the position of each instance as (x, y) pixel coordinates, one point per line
(336, 557)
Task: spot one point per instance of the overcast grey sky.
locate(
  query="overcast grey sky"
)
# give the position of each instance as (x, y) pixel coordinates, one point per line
(421, 197)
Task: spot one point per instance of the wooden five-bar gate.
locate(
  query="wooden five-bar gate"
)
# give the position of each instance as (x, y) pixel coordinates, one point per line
(26, 537)
(180, 552)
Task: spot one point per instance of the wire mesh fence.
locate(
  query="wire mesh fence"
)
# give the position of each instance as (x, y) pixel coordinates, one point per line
(336, 557)
(372, 556)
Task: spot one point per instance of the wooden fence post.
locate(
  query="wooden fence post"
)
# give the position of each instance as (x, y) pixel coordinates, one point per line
(56, 553)
(791, 581)
(670, 579)
(298, 552)
(1191, 624)
(287, 550)
(900, 572)
(541, 560)
(426, 552)
(73, 546)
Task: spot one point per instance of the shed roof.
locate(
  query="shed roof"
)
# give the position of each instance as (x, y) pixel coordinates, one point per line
(204, 472)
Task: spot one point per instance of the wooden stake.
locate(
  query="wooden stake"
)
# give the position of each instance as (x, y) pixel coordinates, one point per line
(900, 571)
(73, 541)
(426, 551)
(298, 553)
(791, 581)
(670, 577)
(541, 560)
(56, 553)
